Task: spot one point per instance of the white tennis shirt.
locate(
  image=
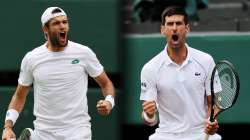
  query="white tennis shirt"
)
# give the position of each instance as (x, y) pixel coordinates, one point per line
(60, 81)
(179, 90)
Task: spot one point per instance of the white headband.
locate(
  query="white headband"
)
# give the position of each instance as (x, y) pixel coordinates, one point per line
(48, 14)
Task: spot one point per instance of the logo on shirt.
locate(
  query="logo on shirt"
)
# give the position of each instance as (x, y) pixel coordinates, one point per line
(143, 87)
(75, 61)
(197, 74)
(143, 84)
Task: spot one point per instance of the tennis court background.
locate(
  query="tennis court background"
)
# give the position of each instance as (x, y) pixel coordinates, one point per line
(96, 24)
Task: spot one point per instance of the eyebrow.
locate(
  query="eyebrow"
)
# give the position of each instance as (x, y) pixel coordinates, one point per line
(172, 22)
(63, 20)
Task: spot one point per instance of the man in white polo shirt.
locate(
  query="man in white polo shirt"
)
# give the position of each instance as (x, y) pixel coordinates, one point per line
(59, 71)
(175, 83)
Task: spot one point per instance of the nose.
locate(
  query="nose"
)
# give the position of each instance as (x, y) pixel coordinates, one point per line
(62, 25)
(174, 27)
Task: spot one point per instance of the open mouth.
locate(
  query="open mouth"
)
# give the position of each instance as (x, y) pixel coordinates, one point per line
(175, 37)
(62, 35)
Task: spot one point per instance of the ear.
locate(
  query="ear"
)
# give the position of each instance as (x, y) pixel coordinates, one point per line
(45, 32)
(45, 29)
(187, 28)
(162, 29)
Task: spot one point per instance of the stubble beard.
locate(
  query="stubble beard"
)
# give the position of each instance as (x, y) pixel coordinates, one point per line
(55, 42)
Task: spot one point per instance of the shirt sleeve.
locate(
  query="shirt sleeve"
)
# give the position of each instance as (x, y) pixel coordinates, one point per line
(93, 66)
(148, 85)
(25, 75)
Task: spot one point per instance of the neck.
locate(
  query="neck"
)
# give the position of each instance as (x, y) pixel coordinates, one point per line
(54, 48)
(178, 55)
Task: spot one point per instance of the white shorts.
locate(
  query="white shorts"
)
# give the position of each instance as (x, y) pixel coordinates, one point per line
(74, 133)
(186, 136)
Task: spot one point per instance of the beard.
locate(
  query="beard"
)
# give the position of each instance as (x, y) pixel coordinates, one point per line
(55, 40)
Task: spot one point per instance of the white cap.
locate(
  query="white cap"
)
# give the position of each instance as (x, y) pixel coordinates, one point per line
(48, 14)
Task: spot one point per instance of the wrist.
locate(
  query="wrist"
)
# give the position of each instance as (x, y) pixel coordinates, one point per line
(110, 99)
(11, 117)
(149, 118)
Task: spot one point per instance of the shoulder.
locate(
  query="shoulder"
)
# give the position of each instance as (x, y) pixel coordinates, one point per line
(154, 64)
(200, 56)
(35, 52)
(204, 60)
(77, 47)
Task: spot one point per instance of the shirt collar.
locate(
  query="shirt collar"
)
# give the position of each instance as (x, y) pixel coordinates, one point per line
(168, 60)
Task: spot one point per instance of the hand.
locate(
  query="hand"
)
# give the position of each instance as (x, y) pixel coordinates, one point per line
(149, 107)
(103, 107)
(211, 127)
(8, 134)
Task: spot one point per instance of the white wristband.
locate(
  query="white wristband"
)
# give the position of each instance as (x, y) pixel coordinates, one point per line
(110, 98)
(147, 119)
(12, 115)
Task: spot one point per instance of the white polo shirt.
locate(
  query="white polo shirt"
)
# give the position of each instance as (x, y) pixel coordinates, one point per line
(60, 81)
(180, 91)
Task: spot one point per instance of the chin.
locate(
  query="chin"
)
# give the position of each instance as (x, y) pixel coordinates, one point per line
(63, 45)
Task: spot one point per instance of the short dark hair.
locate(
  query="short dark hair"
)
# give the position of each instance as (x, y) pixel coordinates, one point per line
(57, 10)
(173, 10)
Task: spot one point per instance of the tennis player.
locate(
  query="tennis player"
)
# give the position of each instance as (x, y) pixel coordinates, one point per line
(175, 83)
(59, 71)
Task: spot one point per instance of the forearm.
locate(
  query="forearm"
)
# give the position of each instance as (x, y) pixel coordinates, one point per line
(105, 84)
(209, 107)
(108, 89)
(16, 105)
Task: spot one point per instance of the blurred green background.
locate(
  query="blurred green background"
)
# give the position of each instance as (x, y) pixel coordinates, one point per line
(92, 22)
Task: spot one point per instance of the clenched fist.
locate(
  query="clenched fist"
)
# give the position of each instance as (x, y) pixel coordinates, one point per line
(8, 134)
(149, 107)
(211, 127)
(103, 107)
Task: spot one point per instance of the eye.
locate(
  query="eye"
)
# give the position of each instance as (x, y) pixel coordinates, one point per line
(65, 21)
(179, 23)
(56, 23)
(170, 23)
